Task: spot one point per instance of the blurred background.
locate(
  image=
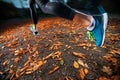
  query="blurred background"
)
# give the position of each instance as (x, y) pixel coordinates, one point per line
(20, 8)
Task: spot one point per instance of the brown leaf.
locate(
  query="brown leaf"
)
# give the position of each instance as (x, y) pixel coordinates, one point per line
(14, 42)
(76, 65)
(117, 77)
(34, 48)
(80, 55)
(1, 72)
(107, 70)
(115, 51)
(16, 59)
(0, 55)
(82, 63)
(103, 78)
(68, 78)
(110, 59)
(6, 62)
(54, 69)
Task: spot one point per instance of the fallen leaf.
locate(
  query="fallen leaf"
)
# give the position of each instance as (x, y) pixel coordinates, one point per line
(68, 78)
(110, 59)
(14, 42)
(1, 72)
(47, 57)
(116, 77)
(34, 66)
(54, 69)
(86, 71)
(61, 62)
(82, 63)
(76, 65)
(80, 55)
(6, 62)
(0, 55)
(81, 73)
(19, 52)
(34, 48)
(16, 59)
(115, 51)
(103, 78)
(57, 55)
(107, 70)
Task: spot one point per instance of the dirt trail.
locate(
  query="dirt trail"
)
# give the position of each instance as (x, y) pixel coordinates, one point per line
(61, 51)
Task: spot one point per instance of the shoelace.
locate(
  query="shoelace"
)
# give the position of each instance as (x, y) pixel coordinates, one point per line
(91, 36)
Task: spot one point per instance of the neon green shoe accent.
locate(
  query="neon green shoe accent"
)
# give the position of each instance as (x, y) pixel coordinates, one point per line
(32, 26)
(91, 36)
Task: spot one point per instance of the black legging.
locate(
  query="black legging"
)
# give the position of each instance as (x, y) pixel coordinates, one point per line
(54, 8)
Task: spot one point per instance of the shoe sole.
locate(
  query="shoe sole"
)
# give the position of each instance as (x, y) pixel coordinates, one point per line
(105, 22)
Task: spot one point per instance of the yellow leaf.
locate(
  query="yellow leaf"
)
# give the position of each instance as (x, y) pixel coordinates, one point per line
(76, 65)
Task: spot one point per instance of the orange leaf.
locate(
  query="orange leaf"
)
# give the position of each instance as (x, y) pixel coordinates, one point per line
(16, 59)
(86, 71)
(109, 58)
(102, 78)
(6, 62)
(54, 69)
(81, 73)
(76, 65)
(80, 55)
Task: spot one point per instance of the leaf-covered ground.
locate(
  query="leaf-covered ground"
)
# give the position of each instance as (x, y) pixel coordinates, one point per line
(61, 51)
